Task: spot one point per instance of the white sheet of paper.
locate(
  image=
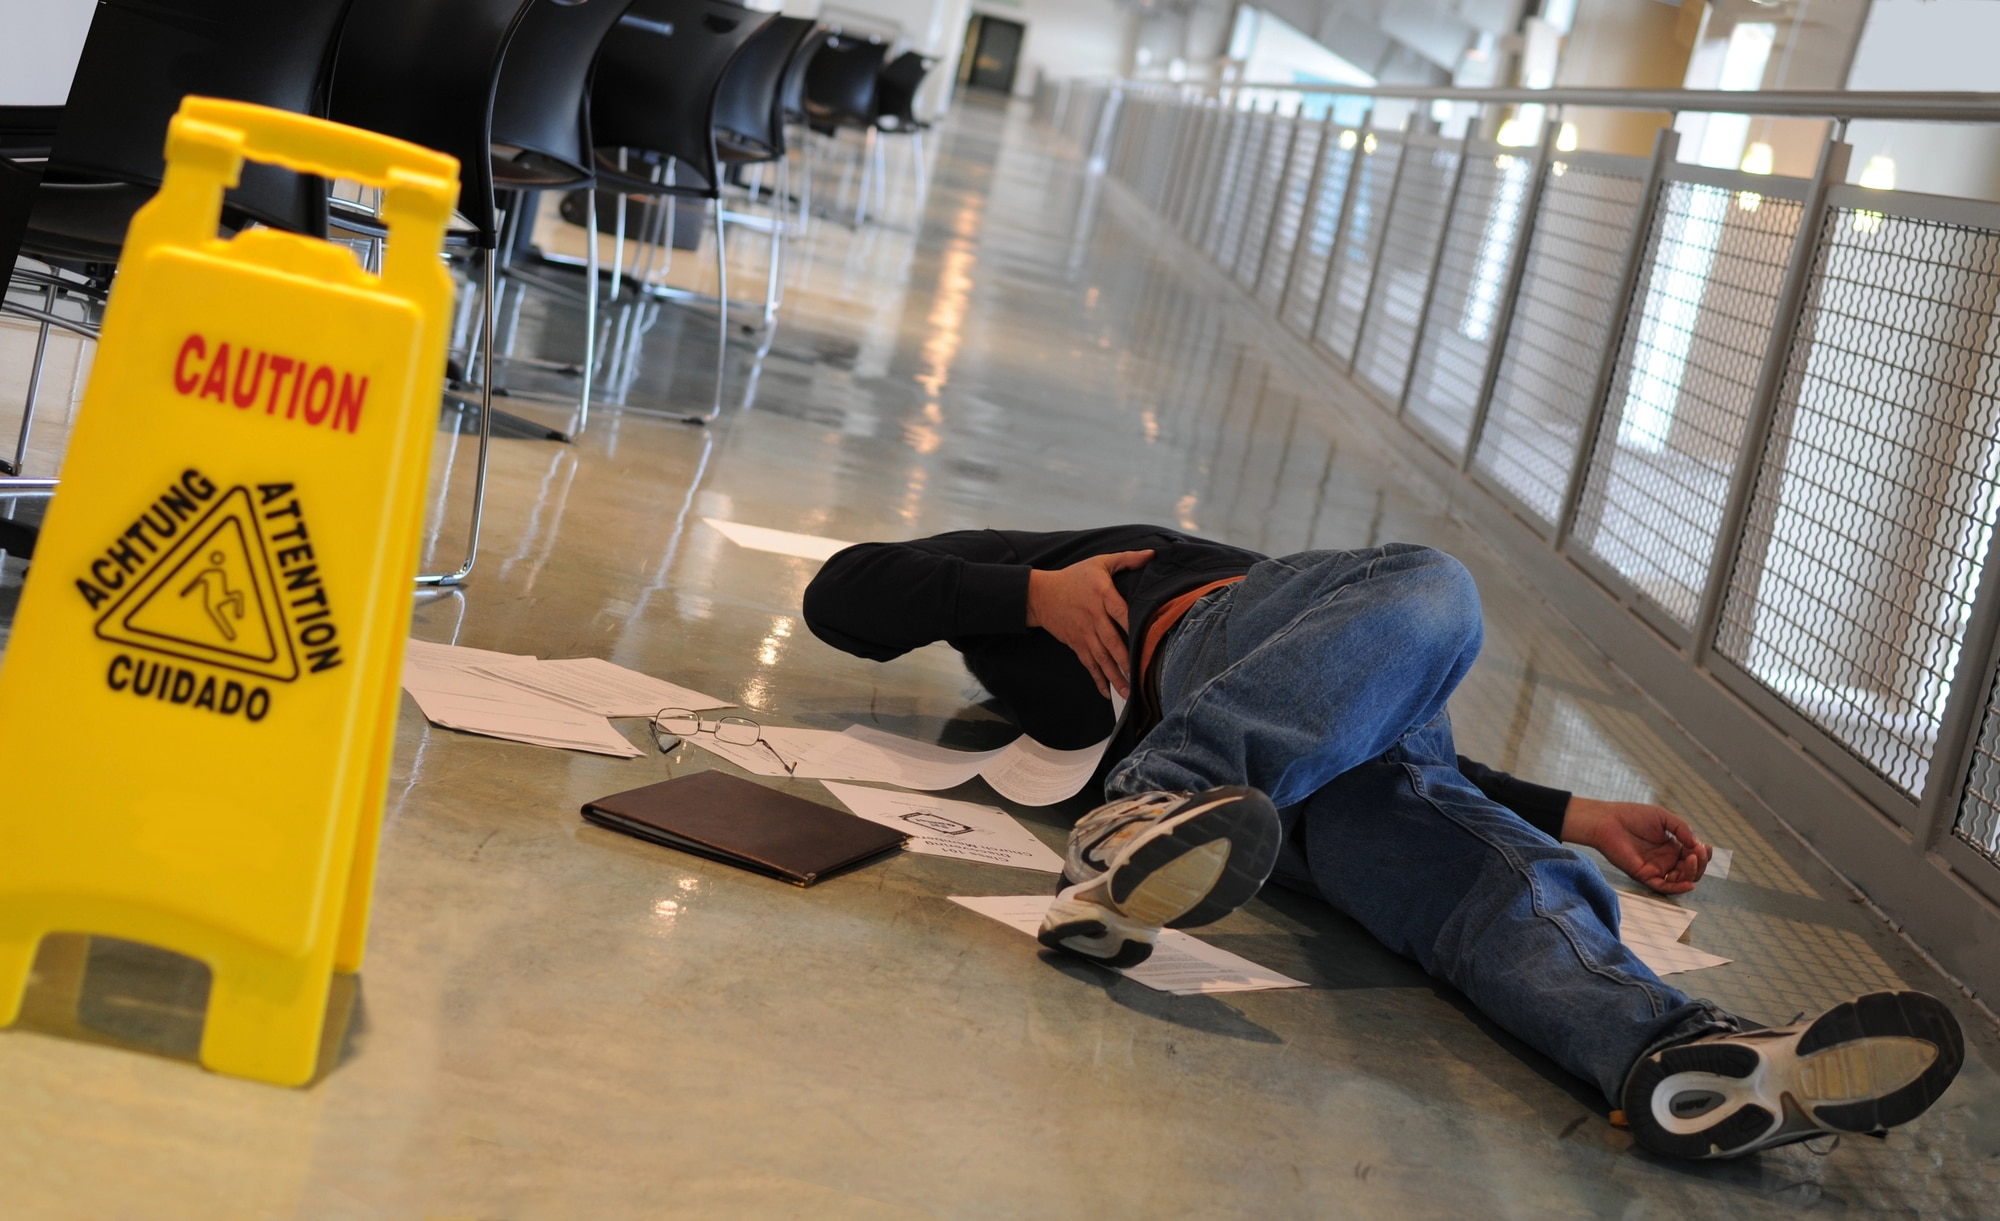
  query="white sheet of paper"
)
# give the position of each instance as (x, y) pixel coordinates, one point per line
(1038, 775)
(425, 657)
(941, 827)
(1652, 930)
(450, 688)
(1023, 770)
(1719, 863)
(791, 744)
(863, 753)
(1181, 965)
(521, 717)
(783, 542)
(600, 686)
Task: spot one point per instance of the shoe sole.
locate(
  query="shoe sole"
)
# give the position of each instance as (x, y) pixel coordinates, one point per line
(1201, 865)
(1193, 869)
(1863, 1066)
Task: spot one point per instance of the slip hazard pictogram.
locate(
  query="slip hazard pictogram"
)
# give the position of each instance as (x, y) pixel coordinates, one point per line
(212, 597)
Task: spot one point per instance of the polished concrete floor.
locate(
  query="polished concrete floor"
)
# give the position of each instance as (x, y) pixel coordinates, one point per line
(556, 1022)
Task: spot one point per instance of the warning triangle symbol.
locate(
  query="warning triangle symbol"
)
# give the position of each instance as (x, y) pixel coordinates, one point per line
(210, 598)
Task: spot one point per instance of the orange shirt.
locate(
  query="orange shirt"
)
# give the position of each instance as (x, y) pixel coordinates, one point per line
(1169, 614)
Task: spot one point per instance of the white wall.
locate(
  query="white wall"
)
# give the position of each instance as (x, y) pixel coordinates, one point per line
(1068, 38)
(40, 42)
(1926, 45)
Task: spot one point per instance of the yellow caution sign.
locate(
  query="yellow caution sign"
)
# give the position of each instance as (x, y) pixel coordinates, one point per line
(198, 700)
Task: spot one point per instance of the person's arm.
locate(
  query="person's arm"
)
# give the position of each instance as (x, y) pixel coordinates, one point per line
(1538, 805)
(880, 600)
(1653, 845)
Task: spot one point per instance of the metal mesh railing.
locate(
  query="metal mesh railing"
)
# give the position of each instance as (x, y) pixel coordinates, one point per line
(1403, 272)
(1876, 494)
(1459, 331)
(1275, 158)
(1289, 214)
(1322, 231)
(1672, 429)
(1246, 159)
(1351, 268)
(1563, 318)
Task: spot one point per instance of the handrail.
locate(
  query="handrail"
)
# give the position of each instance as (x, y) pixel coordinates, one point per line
(1783, 103)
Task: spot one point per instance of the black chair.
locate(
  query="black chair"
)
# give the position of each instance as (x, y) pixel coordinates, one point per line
(792, 106)
(896, 105)
(652, 113)
(842, 84)
(750, 131)
(100, 156)
(540, 140)
(427, 71)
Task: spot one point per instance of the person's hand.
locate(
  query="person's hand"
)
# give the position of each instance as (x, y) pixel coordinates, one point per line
(1079, 606)
(1653, 845)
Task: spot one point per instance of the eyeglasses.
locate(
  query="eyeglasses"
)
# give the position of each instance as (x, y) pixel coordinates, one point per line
(672, 725)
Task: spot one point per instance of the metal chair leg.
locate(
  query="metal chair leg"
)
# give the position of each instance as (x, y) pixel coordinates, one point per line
(721, 314)
(34, 382)
(589, 313)
(485, 435)
(867, 179)
(774, 275)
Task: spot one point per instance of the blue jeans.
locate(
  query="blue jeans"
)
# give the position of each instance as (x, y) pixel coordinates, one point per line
(1321, 679)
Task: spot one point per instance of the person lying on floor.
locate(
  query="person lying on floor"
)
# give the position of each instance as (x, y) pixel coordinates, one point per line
(1287, 715)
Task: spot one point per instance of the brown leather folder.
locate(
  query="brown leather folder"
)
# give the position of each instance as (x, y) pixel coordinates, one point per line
(730, 819)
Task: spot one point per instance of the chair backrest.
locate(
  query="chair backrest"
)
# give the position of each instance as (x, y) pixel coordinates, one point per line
(896, 90)
(426, 71)
(541, 111)
(141, 57)
(841, 82)
(792, 95)
(749, 111)
(660, 74)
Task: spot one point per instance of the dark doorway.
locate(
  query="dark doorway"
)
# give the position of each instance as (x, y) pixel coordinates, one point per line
(992, 53)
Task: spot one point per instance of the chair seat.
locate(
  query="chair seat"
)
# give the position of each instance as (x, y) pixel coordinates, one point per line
(83, 220)
(627, 182)
(527, 169)
(739, 149)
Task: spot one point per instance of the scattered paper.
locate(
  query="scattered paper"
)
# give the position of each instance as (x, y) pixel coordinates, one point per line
(599, 686)
(940, 827)
(1653, 931)
(783, 542)
(475, 704)
(1023, 770)
(1718, 863)
(455, 688)
(1181, 965)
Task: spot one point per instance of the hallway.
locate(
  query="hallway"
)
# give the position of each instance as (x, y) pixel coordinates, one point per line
(559, 1022)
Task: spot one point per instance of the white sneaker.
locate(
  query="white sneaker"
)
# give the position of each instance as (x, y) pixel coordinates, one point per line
(1863, 1066)
(1159, 860)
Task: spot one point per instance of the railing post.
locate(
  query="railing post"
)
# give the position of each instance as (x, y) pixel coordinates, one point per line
(1437, 265)
(1965, 706)
(1338, 250)
(1785, 318)
(1307, 211)
(1666, 146)
(1277, 204)
(1510, 293)
(1107, 122)
(1381, 223)
(1194, 149)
